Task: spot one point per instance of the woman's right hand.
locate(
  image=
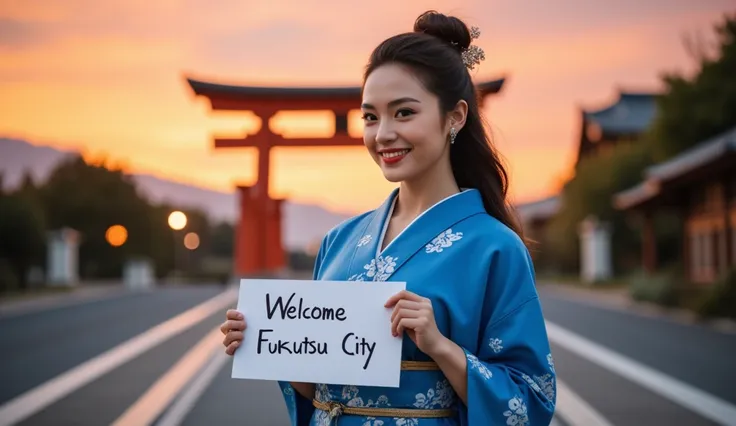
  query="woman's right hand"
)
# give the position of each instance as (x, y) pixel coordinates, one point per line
(233, 329)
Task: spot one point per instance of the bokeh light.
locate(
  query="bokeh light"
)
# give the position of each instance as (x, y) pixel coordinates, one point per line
(191, 241)
(177, 220)
(116, 235)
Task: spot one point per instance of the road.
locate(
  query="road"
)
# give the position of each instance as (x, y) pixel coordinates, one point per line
(155, 358)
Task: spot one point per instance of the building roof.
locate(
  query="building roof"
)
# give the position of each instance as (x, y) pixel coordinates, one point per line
(631, 113)
(211, 89)
(539, 209)
(698, 156)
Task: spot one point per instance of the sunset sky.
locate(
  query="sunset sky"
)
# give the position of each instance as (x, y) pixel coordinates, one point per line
(109, 78)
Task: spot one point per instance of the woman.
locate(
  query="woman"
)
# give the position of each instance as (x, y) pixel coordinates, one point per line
(477, 351)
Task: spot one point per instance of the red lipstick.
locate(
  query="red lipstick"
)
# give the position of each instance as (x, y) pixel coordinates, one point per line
(393, 156)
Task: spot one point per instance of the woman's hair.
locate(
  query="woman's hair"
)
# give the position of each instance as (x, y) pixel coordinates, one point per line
(433, 52)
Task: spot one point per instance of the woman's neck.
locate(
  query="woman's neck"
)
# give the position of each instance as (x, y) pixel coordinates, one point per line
(420, 194)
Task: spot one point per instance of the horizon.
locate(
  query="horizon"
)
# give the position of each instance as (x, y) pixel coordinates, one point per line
(112, 82)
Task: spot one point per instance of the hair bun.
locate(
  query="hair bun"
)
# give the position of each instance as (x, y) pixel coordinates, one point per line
(447, 28)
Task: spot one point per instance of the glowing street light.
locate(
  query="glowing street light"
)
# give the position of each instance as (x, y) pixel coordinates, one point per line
(177, 220)
(116, 235)
(191, 241)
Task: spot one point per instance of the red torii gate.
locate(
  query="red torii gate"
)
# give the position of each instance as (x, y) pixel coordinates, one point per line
(258, 242)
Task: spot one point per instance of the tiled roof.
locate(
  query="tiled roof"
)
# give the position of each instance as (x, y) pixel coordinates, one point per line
(632, 113)
(697, 156)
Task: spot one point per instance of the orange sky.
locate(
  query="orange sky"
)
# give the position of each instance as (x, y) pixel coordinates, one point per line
(108, 78)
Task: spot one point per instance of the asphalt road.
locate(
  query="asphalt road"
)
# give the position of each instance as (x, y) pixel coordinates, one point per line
(37, 347)
(695, 355)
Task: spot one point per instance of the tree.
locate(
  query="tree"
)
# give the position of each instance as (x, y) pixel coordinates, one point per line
(22, 237)
(222, 240)
(90, 198)
(692, 110)
(589, 193)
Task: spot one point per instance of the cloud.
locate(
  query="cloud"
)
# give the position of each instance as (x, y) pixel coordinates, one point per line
(16, 35)
(512, 19)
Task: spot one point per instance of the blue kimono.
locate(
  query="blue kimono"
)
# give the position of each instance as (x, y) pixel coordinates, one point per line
(480, 279)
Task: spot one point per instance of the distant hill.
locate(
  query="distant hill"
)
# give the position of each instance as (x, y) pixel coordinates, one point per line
(303, 223)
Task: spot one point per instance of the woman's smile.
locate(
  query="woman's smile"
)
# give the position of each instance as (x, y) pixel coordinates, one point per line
(393, 156)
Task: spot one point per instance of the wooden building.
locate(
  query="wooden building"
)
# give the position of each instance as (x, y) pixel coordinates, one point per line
(700, 184)
(620, 122)
(623, 120)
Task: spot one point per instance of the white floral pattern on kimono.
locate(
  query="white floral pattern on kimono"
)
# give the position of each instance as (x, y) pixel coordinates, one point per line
(496, 345)
(443, 241)
(441, 396)
(322, 393)
(377, 270)
(544, 385)
(482, 369)
(365, 240)
(322, 418)
(516, 414)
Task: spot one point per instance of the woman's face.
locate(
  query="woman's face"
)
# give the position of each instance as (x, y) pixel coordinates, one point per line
(403, 125)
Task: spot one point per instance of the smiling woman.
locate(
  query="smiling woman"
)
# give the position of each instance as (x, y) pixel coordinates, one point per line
(475, 348)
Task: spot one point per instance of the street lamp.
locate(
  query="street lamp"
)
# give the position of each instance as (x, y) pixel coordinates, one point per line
(177, 221)
(116, 235)
(191, 241)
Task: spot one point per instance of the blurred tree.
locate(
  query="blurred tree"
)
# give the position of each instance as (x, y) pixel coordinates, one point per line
(22, 237)
(589, 193)
(92, 197)
(697, 108)
(222, 240)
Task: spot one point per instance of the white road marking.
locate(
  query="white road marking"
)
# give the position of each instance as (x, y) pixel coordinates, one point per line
(574, 411)
(40, 397)
(688, 396)
(151, 404)
(179, 410)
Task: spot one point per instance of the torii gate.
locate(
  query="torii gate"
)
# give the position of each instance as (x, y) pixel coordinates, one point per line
(258, 242)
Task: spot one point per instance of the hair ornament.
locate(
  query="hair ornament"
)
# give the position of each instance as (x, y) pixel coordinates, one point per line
(473, 55)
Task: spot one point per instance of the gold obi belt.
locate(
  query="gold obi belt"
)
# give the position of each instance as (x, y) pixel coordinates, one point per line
(336, 409)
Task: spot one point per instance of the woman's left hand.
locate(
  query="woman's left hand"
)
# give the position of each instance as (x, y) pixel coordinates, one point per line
(414, 314)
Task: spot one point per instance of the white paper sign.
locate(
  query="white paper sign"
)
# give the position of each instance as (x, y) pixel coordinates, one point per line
(334, 332)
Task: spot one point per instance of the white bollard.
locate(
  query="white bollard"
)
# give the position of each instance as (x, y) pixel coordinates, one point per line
(62, 261)
(595, 250)
(138, 274)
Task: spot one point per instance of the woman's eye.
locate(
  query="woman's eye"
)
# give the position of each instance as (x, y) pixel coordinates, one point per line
(404, 112)
(368, 117)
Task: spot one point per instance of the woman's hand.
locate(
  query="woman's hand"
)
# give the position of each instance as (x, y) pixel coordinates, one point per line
(414, 314)
(233, 328)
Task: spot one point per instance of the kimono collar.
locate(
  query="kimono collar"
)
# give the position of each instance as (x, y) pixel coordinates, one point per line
(370, 264)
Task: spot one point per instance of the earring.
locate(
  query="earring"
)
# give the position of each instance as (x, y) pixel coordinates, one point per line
(453, 135)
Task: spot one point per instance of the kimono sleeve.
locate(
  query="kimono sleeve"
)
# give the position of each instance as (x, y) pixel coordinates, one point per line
(511, 378)
(301, 409)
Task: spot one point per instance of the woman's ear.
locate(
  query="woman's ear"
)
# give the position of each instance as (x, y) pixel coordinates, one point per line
(456, 117)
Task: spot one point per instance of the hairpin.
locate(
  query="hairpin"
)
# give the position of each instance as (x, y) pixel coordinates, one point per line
(473, 54)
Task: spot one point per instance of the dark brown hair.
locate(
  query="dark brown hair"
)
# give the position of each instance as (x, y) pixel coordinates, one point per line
(433, 52)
